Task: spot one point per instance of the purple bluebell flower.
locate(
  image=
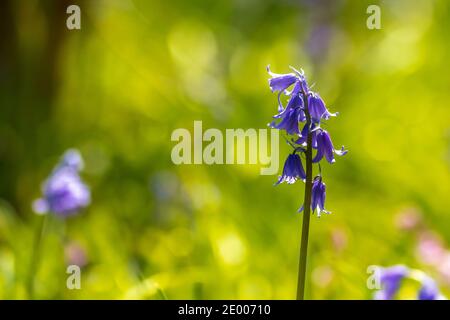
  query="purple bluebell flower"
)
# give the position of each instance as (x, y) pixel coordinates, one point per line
(303, 136)
(280, 82)
(292, 170)
(325, 147)
(317, 108)
(390, 279)
(429, 290)
(318, 194)
(302, 80)
(290, 119)
(64, 193)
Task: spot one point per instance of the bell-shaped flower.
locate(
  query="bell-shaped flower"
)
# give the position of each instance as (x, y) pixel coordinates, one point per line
(318, 194)
(317, 108)
(325, 147)
(292, 170)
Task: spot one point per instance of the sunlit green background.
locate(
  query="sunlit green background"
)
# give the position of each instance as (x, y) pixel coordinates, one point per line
(137, 70)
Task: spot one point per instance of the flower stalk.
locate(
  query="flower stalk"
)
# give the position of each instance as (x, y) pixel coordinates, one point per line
(35, 256)
(307, 211)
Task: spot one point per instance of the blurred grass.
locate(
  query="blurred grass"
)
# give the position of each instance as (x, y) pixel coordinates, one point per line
(137, 70)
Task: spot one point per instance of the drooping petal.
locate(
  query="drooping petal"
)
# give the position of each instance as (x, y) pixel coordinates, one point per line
(328, 148)
(315, 195)
(320, 149)
(303, 136)
(317, 108)
(280, 82)
(290, 121)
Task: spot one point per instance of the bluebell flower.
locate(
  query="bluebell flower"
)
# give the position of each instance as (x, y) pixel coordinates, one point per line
(292, 170)
(301, 80)
(303, 136)
(325, 147)
(318, 194)
(290, 119)
(429, 290)
(280, 82)
(390, 279)
(64, 193)
(317, 108)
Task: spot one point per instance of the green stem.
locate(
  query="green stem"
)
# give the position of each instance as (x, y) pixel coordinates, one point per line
(306, 210)
(34, 263)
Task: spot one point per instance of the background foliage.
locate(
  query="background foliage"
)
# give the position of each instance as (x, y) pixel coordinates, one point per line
(137, 70)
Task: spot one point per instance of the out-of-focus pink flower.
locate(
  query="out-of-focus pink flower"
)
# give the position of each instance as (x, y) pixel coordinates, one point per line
(322, 276)
(444, 268)
(75, 255)
(408, 219)
(430, 249)
(339, 239)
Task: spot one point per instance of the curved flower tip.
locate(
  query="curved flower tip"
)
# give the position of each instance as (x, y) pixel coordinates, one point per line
(390, 280)
(280, 82)
(292, 170)
(341, 152)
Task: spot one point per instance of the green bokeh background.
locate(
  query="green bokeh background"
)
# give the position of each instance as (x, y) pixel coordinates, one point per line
(137, 70)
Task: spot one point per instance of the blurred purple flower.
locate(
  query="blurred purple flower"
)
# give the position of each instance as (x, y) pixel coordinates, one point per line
(429, 290)
(391, 279)
(293, 170)
(64, 193)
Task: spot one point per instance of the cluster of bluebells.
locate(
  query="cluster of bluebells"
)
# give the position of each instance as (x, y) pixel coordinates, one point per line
(391, 279)
(291, 118)
(64, 193)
